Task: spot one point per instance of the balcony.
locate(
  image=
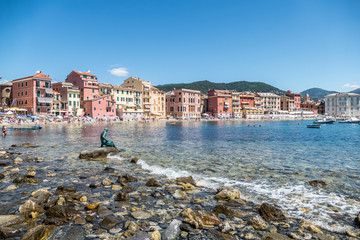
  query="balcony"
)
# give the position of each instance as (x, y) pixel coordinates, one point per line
(44, 100)
(147, 105)
(236, 103)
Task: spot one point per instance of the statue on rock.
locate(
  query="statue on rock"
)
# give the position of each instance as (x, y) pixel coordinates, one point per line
(104, 141)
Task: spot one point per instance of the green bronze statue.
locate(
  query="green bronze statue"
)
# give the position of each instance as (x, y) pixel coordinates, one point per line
(104, 141)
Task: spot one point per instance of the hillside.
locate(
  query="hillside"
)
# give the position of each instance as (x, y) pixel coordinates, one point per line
(356, 91)
(318, 93)
(240, 86)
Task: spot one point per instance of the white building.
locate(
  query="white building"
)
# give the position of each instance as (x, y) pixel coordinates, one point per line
(342, 104)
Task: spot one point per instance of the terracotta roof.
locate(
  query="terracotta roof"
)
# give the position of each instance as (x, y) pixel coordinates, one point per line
(38, 75)
(55, 92)
(84, 73)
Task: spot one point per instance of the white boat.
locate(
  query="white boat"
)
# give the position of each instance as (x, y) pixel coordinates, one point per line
(350, 120)
(324, 121)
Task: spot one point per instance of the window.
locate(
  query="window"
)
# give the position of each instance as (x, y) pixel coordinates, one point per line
(94, 108)
(26, 102)
(18, 94)
(93, 91)
(78, 95)
(69, 94)
(179, 99)
(25, 83)
(74, 103)
(25, 92)
(99, 102)
(18, 84)
(22, 84)
(117, 99)
(70, 103)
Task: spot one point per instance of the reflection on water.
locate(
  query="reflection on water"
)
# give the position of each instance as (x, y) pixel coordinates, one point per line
(265, 160)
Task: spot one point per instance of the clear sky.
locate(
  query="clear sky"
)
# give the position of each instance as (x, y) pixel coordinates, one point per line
(290, 44)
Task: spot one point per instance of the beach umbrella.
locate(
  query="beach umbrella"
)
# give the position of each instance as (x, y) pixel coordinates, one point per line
(9, 112)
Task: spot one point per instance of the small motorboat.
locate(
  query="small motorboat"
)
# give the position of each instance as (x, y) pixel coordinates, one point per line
(350, 120)
(324, 121)
(26, 128)
(313, 126)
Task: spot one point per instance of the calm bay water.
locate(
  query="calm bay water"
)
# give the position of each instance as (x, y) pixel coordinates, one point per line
(272, 162)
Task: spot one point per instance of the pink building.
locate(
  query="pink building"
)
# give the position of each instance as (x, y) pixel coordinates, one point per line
(183, 103)
(103, 106)
(220, 103)
(296, 97)
(33, 93)
(86, 82)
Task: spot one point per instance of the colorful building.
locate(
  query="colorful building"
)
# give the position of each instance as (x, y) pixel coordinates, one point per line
(287, 103)
(33, 93)
(86, 82)
(69, 98)
(183, 103)
(248, 104)
(270, 102)
(308, 105)
(5, 95)
(343, 104)
(297, 99)
(101, 106)
(220, 103)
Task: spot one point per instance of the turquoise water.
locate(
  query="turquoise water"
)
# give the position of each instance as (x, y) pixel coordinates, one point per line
(272, 162)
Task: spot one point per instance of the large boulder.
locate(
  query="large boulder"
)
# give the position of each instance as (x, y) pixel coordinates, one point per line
(200, 219)
(98, 153)
(271, 213)
(185, 180)
(227, 193)
(8, 220)
(357, 220)
(39, 232)
(318, 183)
(228, 211)
(30, 209)
(258, 223)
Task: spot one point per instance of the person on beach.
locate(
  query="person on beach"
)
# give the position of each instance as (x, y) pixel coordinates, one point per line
(104, 141)
(4, 129)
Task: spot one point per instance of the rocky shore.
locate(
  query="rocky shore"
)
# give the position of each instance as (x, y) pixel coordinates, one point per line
(110, 199)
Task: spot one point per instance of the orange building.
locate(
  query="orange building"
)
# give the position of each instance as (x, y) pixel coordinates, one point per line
(220, 103)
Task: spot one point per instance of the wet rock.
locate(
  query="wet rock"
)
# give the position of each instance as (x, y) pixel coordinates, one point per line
(200, 218)
(178, 194)
(172, 232)
(318, 183)
(157, 194)
(357, 220)
(134, 160)
(92, 185)
(76, 233)
(109, 222)
(20, 180)
(104, 211)
(39, 232)
(109, 169)
(64, 190)
(276, 236)
(89, 219)
(26, 145)
(188, 187)
(227, 193)
(10, 188)
(127, 188)
(142, 214)
(258, 223)
(30, 174)
(309, 226)
(185, 180)
(55, 221)
(97, 154)
(92, 206)
(153, 183)
(8, 220)
(2, 176)
(140, 236)
(107, 182)
(40, 196)
(18, 161)
(270, 213)
(228, 211)
(30, 209)
(55, 146)
(4, 164)
(186, 227)
(126, 179)
(7, 232)
(122, 196)
(132, 226)
(155, 235)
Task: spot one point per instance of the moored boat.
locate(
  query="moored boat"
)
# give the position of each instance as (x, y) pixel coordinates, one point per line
(313, 126)
(26, 128)
(324, 121)
(350, 120)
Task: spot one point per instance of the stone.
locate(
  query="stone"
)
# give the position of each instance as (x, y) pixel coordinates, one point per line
(200, 219)
(140, 236)
(97, 154)
(276, 236)
(39, 232)
(155, 235)
(89, 219)
(116, 187)
(188, 187)
(40, 196)
(107, 182)
(258, 223)
(153, 183)
(318, 183)
(227, 193)
(126, 179)
(30, 174)
(10, 188)
(270, 213)
(178, 194)
(157, 194)
(172, 232)
(309, 226)
(83, 199)
(18, 161)
(20, 180)
(92, 206)
(185, 180)
(64, 190)
(104, 211)
(109, 222)
(75, 233)
(357, 220)
(122, 196)
(228, 211)
(132, 226)
(8, 220)
(7, 232)
(186, 227)
(134, 160)
(29, 207)
(142, 214)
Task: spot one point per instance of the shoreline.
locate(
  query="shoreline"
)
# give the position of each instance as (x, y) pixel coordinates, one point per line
(130, 201)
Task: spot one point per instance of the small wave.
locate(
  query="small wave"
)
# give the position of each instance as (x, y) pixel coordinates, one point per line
(293, 199)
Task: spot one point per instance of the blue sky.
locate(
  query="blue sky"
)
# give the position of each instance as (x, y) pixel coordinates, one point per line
(290, 44)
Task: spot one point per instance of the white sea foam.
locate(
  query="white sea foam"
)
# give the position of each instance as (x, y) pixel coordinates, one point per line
(291, 198)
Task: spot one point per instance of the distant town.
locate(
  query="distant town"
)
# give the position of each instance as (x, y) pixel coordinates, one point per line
(82, 95)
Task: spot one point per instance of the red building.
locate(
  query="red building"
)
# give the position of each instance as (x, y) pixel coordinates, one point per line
(296, 97)
(86, 82)
(33, 93)
(309, 105)
(220, 103)
(103, 106)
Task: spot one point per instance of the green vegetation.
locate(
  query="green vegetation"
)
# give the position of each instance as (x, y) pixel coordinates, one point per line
(240, 86)
(318, 93)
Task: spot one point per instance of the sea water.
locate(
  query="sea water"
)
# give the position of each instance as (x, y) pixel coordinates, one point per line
(269, 161)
